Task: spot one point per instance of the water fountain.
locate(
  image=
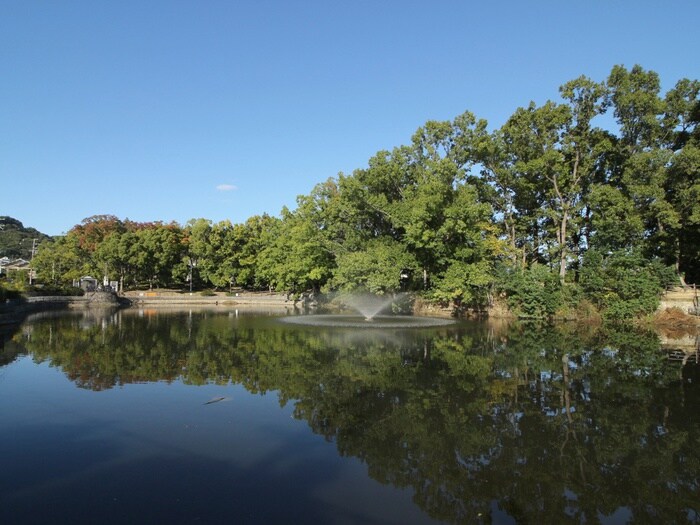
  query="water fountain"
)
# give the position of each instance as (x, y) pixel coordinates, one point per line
(367, 305)
(366, 311)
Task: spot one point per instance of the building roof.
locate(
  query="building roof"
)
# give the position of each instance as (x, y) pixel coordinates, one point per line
(15, 264)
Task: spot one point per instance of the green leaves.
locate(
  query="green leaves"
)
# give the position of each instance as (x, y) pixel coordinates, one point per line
(623, 284)
(615, 221)
(457, 201)
(532, 293)
(637, 106)
(375, 269)
(464, 283)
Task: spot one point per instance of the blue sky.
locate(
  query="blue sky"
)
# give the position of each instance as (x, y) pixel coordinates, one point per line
(172, 110)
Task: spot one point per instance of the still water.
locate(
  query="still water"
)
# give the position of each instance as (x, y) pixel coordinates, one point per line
(139, 416)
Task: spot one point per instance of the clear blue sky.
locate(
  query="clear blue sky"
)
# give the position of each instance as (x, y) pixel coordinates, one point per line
(172, 110)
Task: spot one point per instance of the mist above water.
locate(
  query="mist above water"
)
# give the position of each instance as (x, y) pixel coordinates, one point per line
(366, 311)
(367, 304)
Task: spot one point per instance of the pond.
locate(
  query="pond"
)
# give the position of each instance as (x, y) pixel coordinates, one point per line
(214, 416)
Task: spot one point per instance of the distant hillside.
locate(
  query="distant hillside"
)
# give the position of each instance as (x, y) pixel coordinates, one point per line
(16, 240)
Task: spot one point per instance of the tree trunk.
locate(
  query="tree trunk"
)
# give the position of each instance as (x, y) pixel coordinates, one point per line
(681, 278)
(562, 252)
(677, 261)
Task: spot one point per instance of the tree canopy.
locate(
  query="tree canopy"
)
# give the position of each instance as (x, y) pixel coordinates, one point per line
(605, 177)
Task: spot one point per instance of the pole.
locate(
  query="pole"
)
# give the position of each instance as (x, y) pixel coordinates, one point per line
(31, 259)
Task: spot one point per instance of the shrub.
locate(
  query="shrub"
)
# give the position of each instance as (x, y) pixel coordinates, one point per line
(623, 284)
(8, 294)
(532, 293)
(62, 290)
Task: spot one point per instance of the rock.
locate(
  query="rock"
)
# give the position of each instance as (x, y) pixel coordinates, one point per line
(103, 298)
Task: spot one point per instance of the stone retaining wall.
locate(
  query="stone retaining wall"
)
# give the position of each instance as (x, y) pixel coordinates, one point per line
(58, 300)
(171, 299)
(682, 298)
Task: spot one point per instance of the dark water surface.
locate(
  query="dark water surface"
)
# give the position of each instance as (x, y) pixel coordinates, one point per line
(139, 416)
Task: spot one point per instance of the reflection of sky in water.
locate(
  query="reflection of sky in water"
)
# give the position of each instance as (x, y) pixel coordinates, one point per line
(82, 453)
(448, 421)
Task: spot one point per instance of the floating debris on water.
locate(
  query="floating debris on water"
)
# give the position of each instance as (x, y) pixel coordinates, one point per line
(216, 400)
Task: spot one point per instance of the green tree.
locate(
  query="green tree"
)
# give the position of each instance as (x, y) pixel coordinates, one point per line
(534, 292)
(499, 185)
(62, 261)
(219, 262)
(440, 214)
(253, 236)
(157, 251)
(373, 269)
(615, 222)
(116, 254)
(532, 139)
(196, 247)
(637, 107)
(682, 189)
(658, 160)
(557, 152)
(683, 192)
(623, 284)
(295, 257)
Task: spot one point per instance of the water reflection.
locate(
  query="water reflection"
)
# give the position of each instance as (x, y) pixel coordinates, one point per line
(483, 423)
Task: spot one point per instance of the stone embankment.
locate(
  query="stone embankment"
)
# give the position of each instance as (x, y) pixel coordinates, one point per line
(170, 298)
(683, 298)
(678, 324)
(89, 299)
(12, 312)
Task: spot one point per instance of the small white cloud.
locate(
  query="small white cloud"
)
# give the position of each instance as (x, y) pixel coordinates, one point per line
(226, 187)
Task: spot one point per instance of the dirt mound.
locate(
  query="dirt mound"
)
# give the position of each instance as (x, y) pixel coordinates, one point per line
(676, 319)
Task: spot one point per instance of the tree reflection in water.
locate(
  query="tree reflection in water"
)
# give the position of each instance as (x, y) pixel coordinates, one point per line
(524, 420)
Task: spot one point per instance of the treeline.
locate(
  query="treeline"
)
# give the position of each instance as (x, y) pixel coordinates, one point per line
(591, 201)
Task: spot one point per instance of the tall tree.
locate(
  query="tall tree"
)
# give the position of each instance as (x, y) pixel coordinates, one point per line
(157, 251)
(255, 234)
(543, 189)
(95, 229)
(116, 255)
(295, 256)
(61, 260)
(542, 163)
(196, 247)
(439, 213)
(682, 189)
(585, 149)
(219, 264)
(658, 160)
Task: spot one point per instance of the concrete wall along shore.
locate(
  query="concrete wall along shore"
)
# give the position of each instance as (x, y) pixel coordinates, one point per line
(146, 298)
(685, 299)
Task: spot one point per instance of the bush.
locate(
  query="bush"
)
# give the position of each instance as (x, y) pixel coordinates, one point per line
(8, 294)
(58, 290)
(623, 284)
(535, 292)
(463, 283)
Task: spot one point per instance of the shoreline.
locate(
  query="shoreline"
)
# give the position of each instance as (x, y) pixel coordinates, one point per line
(167, 298)
(666, 317)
